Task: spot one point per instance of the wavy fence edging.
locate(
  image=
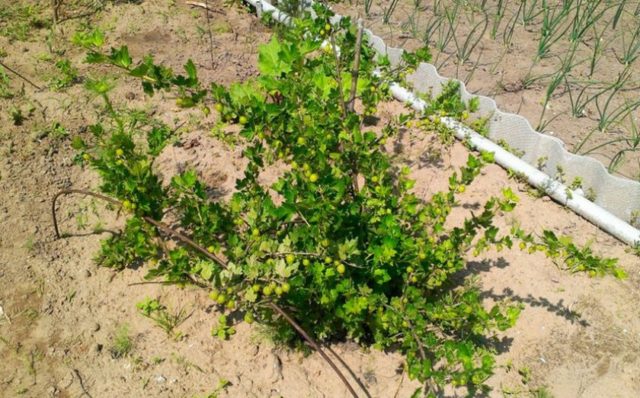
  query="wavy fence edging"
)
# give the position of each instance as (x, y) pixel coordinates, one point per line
(616, 198)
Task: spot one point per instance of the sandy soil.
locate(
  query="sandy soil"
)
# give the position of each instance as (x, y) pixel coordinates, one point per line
(577, 336)
(499, 68)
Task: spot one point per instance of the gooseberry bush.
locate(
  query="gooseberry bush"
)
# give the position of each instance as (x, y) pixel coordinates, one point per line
(339, 241)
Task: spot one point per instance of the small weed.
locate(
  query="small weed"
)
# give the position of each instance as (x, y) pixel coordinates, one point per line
(122, 343)
(540, 392)
(30, 244)
(17, 21)
(66, 77)
(30, 361)
(5, 89)
(541, 162)
(221, 27)
(157, 360)
(167, 321)
(510, 149)
(185, 363)
(517, 176)
(82, 221)
(525, 374)
(635, 218)
(55, 131)
(30, 314)
(17, 116)
(222, 386)
(591, 194)
(576, 183)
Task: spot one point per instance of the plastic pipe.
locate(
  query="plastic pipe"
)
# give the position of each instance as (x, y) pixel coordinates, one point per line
(556, 190)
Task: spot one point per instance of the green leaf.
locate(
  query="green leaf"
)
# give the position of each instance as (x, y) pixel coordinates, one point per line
(120, 57)
(206, 271)
(190, 68)
(250, 296)
(270, 59)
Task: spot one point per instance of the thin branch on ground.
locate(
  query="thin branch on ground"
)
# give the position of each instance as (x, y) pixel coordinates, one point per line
(84, 389)
(210, 34)
(313, 345)
(205, 6)
(20, 76)
(353, 375)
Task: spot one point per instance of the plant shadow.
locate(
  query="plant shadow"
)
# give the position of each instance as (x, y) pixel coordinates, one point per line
(558, 308)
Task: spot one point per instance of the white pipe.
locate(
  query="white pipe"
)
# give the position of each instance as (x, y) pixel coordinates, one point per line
(556, 190)
(262, 6)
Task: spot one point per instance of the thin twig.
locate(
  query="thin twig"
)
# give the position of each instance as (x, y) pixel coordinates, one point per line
(314, 345)
(205, 6)
(154, 283)
(303, 219)
(356, 68)
(353, 375)
(399, 386)
(210, 34)
(20, 76)
(55, 5)
(84, 390)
